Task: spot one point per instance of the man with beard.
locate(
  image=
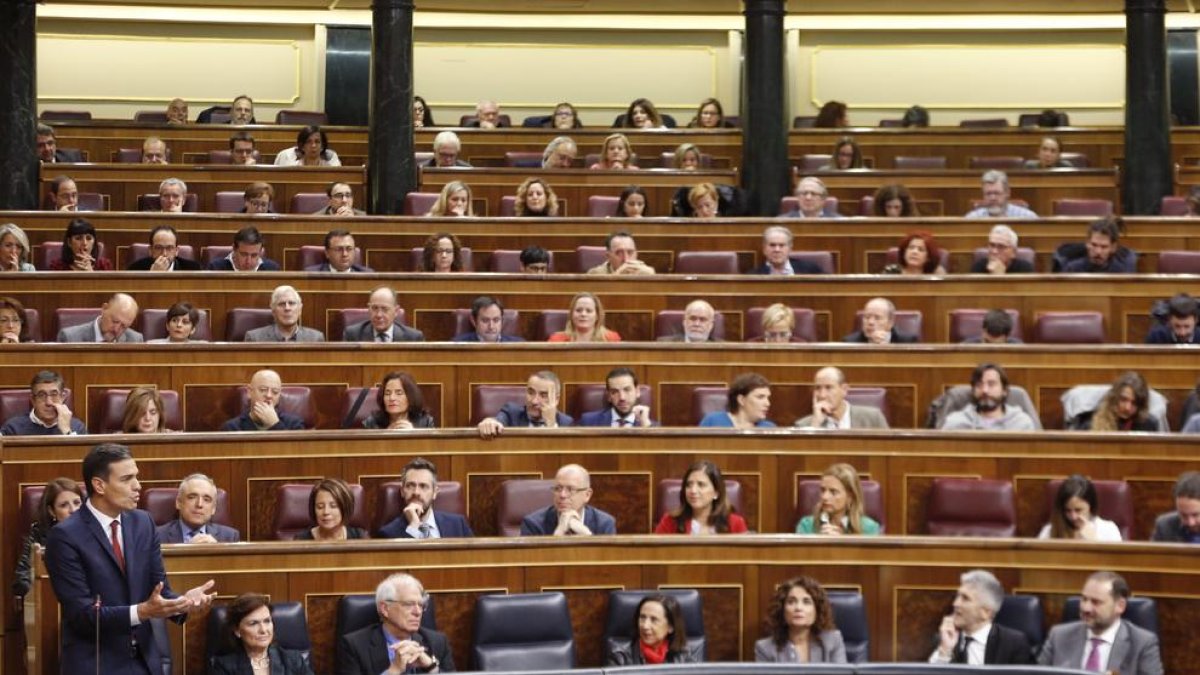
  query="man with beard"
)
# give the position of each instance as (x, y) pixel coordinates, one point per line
(623, 409)
(570, 513)
(1101, 641)
(988, 412)
(1105, 255)
(699, 320)
(968, 635)
(418, 520)
(1182, 524)
(995, 199)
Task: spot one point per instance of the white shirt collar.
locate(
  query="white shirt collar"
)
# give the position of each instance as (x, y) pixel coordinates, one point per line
(103, 518)
(38, 421)
(1109, 635)
(96, 328)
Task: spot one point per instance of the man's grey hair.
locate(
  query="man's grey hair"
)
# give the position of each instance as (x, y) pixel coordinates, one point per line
(891, 306)
(280, 290)
(447, 138)
(1006, 232)
(991, 591)
(172, 181)
(778, 229)
(554, 145)
(995, 176)
(195, 476)
(386, 590)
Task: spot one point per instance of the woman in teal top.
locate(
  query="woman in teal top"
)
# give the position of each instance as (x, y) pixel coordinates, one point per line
(840, 510)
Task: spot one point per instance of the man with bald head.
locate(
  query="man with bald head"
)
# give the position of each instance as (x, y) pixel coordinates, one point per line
(832, 411)
(384, 324)
(154, 151)
(113, 324)
(879, 325)
(570, 513)
(286, 308)
(265, 389)
(699, 319)
(177, 112)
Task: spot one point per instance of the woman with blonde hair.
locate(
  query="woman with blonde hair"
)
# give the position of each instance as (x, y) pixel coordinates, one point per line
(144, 412)
(14, 249)
(704, 200)
(687, 157)
(840, 509)
(455, 200)
(585, 323)
(778, 324)
(536, 198)
(615, 154)
(1125, 407)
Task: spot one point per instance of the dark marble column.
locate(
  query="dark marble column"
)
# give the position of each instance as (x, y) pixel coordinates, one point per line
(391, 169)
(764, 139)
(18, 105)
(1147, 174)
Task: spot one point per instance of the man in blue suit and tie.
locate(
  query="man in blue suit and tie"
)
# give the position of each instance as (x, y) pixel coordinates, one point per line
(570, 513)
(623, 409)
(105, 563)
(419, 487)
(196, 503)
(542, 393)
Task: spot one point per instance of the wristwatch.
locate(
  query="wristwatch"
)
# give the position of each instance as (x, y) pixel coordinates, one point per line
(433, 665)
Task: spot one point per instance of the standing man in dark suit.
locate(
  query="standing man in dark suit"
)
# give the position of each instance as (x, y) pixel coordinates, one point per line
(339, 254)
(105, 563)
(570, 513)
(542, 394)
(397, 643)
(419, 488)
(164, 254)
(48, 150)
(1101, 641)
(1182, 524)
(196, 503)
(383, 326)
(879, 325)
(968, 635)
(487, 318)
(623, 409)
(777, 255)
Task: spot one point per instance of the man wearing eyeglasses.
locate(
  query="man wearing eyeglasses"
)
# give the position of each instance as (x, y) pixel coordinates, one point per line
(398, 643)
(339, 254)
(341, 202)
(49, 414)
(1002, 254)
(418, 520)
(265, 390)
(164, 254)
(812, 195)
(570, 513)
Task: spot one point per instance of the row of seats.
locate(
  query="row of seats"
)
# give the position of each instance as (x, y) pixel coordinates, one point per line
(291, 117)
(814, 161)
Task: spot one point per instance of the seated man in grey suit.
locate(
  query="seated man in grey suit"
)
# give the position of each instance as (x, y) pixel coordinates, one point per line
(339, 254)
(286, 308)
(196, 503)
(265, 389)
(1182, 524)
(542, 393)
(397, 643)
(570, 513)
(830, 409)
(419, 488)
(1102, 641)
(113, 324)
(383, 325)
(969, 635)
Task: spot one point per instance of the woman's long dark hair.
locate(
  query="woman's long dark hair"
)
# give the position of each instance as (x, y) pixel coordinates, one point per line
(416, 400)
(718, 519)
(75, 228)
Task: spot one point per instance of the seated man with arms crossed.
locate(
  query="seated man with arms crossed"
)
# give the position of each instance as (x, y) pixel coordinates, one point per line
(419, 488)
(397, 643)
(196, 503)
(542, 393)
(570, 513)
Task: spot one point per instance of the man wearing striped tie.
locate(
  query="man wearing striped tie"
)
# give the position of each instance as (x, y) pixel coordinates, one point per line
(1101, 641)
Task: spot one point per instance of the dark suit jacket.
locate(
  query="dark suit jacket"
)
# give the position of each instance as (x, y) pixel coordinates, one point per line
(181, 265)
(1169, 527)
(324, 267)
(680, 337)
(363, 331)
(172, 532)
(630, 654)
(224, 265)
(1135, 650)
(1017, 266)
(81, 563)
(514, 415)
(543, 521)
(1162, 335)
(68, 155)
(283, 662)
(1006, 647)
(600, 418)
(244, 423)
(798, 267)
(364, 652)
(898, 338)
(474, 337)
(449, 525)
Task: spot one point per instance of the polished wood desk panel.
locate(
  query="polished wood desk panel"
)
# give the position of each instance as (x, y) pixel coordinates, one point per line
(124, 182)
(859, 245)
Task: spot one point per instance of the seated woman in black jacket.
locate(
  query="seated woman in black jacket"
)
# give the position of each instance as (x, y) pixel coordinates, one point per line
(330, 505)
(399, 405)
(60, 498)
(660, 636)
(248, 627)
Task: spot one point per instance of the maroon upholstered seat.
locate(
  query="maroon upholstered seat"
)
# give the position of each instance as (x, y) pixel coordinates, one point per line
(419, 203)
(519, 498)
(871, 397)
(160, 503)
(139, 251)
(15, 402)
(822, 259)
(65, 115)
(1179, 262)
(209, 254)
(920, 162)
(294, 400)
(1023, 253)
(962, 507)
(967, 323)
(531, 160)
(1116, 503)
(594, 157)
(315, 255)
(240, 320)
(388, 506)
(230, 201)
(93, 201)
(804, 121)
(907, 321)
(150, 117)
(812, 162)
(508, 324)
(549, 322)
(226, 157)
(1173, 205)
(151, 202)
(301, 117)
(365, 410)
(668, 496)
(670, 322)
(31, 498)
(805, 329)
(810, 495)
(487, 399)
(509, 261)
(706, 262)
(291, 510)
(65, 317)
(508, 206)
(593, 396)
(602, 206)
(52, 250)
(1003, 162)
(308, 202)
(587, 257)
(708, 399)
(127, 156)
(1082, 207)
(33, 324)
(866, 205)
(1078, 160)
(667, 160)
(109, 414)
(1069, 328)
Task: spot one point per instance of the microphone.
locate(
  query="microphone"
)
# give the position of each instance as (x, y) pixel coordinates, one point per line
(824, 517)
(96, 609)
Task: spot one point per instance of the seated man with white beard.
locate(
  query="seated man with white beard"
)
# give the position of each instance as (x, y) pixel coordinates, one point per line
(988, 410)
(995, 199)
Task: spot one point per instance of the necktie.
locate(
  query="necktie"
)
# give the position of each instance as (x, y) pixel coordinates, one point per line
(382, 336)
(625, 422)
(425, 529)
(1093, 659)
(192, 534)
(960, 655)
(115, 527)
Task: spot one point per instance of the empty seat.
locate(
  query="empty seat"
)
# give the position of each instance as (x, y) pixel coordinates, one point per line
(308, 202)
(968, 323)
(1116, 503)
(850, 617)
(65, 317)
(593, 396)
(33, 324)
(109, 415)
(31, 498)
(230, 201)
(509, 261)
(907, 321)
(210, 254)
(240, 320)
(805, 329)
(602, 206)
(804, 121)
(389, 502)
(151, 202)
(291, 510)
(301, 117)
(1069, 328)
(93, 201)
(622, 610)
(159, 502)
(988, 123)
(960, 507)
(419, 203)
(518, 498)
(873, 397)
(1062, 119)
(1082, 207)
(508, 206)
(668, 496)
(549, 322)
(488, 399)
(670, 322)
(127, 156)
(1139, 610)
(525, 631)
(1003, 162)
(587, 257)
(1078, 160)
(822, 259)
(813, 162)
(65, 115)
(1173, 205)
(150, 117)
(706, 262)
(226, 157)
(1179, 262)
(291, 630)
(527, 160)
(911, 163)
(810, 494)
(1023, 613)
(706, 400)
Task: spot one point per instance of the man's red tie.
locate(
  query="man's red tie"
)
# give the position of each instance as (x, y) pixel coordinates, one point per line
(115, 526)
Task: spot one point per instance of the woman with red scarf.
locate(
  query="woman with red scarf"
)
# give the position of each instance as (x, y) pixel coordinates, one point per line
(660, 636)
